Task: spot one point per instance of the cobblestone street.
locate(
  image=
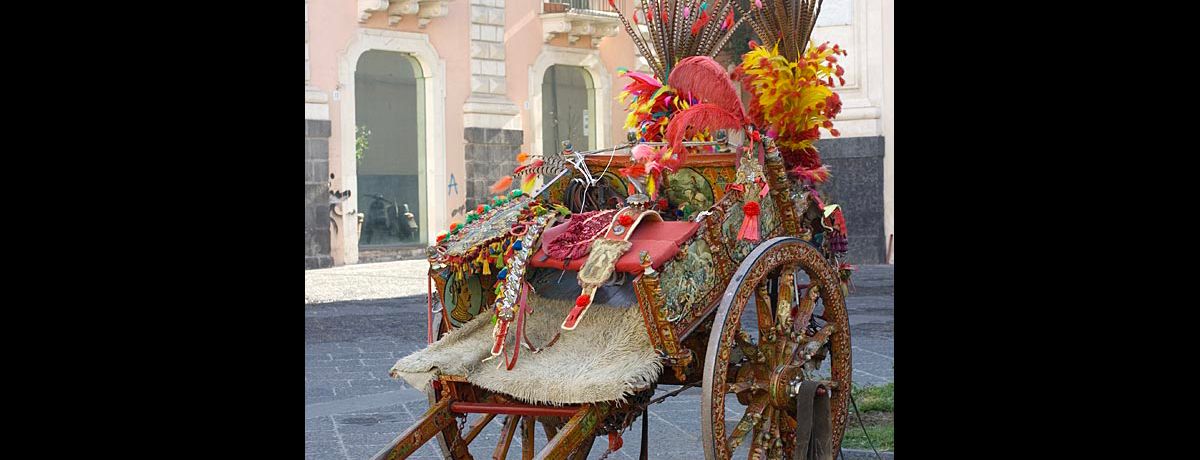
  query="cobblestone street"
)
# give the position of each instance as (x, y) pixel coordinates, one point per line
(360, 319)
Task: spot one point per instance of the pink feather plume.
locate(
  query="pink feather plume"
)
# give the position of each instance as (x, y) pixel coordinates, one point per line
(643, 152)
(705, 79)
(701, 117)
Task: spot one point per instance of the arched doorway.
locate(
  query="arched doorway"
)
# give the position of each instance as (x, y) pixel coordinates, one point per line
(568, 108)
(390, 149)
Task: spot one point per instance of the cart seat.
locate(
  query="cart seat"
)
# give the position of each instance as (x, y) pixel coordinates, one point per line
(662, 239)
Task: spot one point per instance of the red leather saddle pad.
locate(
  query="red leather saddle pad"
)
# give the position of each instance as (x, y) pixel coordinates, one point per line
(661, 239)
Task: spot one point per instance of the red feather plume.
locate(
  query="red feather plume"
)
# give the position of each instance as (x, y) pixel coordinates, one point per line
(706, 80)
(817, 175)
(700, 23)
(701, 117)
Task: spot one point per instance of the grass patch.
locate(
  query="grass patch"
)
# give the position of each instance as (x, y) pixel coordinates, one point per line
(881, 435)
(874, 399)
(875, 405)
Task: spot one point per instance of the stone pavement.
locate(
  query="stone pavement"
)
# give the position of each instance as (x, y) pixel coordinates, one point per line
(358, 320)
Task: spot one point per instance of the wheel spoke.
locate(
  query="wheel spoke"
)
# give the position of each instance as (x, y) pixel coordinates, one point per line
(807, 304)
(775, 444)
(811, 345)
(783, 302)
(748, 348)
(740, 387)
(787, 429)
(766, 318)
(758, 448)
(750, 419)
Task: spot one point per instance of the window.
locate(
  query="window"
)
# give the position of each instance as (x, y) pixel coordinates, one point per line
(568, 108)
(390, 119)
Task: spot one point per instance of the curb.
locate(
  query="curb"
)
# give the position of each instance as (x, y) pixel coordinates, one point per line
(864, 454)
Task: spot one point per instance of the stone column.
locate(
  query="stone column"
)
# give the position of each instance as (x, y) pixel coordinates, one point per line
(492, 127)
(316, 169)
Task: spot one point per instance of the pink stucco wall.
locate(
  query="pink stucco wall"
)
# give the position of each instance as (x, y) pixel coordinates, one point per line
(333, 25)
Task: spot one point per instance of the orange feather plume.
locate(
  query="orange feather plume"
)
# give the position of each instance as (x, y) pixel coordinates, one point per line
(502, 184)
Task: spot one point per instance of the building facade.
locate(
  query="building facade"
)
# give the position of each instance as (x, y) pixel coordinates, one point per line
(414, 107)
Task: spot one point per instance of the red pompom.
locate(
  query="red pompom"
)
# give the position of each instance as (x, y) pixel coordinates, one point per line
(751, 209)
(479, 209)
(662, 203)
(583, 300)
(625, 219)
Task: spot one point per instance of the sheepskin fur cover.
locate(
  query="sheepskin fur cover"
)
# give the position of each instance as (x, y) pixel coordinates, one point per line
(606, 358)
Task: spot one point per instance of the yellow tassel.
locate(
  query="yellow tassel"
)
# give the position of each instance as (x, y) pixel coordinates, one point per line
(650, 186)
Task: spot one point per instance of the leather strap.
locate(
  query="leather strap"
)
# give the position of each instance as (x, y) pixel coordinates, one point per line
(615, 232)
(814, 436)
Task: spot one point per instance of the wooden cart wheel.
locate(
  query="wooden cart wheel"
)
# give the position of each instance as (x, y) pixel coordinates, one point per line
(756, 356)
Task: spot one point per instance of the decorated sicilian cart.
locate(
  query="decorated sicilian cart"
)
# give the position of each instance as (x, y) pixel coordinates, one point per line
(698, 254)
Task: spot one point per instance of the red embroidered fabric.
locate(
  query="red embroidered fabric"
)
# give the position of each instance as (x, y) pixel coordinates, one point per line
(576, 241)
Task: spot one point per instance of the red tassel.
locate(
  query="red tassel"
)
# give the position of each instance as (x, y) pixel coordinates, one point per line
(614, 441)
(749, 229)
(502, 184)
(580, 303)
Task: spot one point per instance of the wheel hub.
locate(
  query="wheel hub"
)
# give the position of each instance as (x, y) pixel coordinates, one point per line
(779, 383)
(783, 379)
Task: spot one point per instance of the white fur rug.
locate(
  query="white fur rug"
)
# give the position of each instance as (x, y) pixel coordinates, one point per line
(606, 358)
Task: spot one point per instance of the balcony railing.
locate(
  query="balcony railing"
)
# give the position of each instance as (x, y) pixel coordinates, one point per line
(594, 7)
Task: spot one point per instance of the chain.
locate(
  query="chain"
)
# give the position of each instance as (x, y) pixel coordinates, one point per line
(458, 440)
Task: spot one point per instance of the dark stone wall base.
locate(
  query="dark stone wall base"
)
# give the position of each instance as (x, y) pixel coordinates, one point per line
(316, 194)
(490, 154)
(856, 164)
